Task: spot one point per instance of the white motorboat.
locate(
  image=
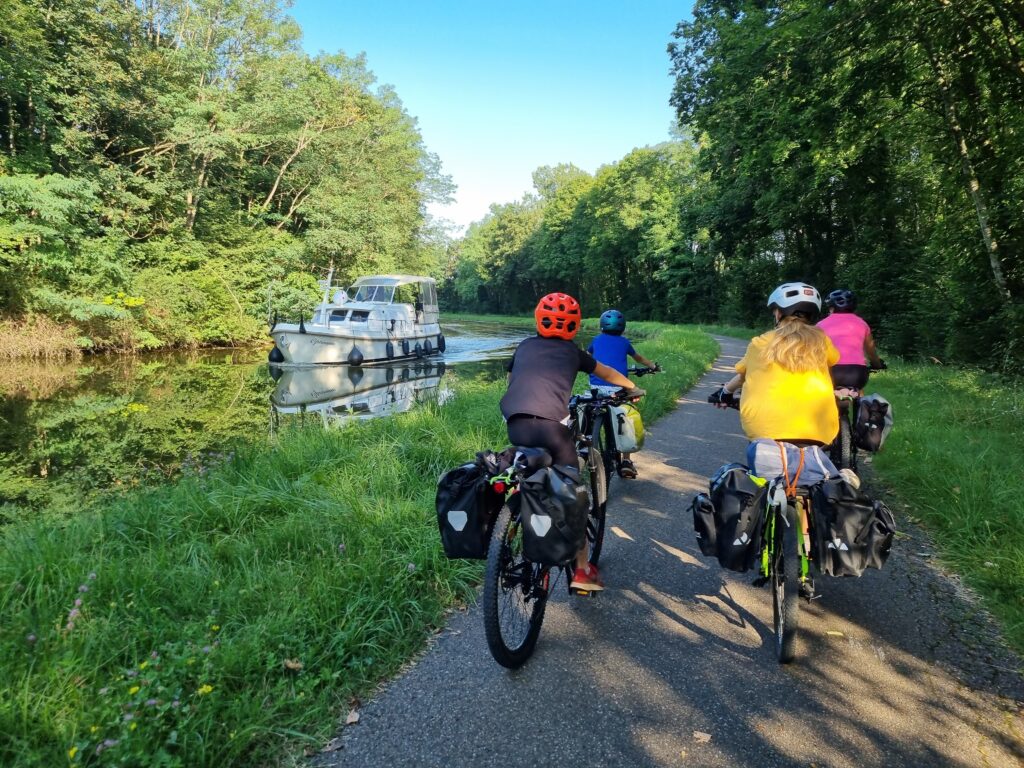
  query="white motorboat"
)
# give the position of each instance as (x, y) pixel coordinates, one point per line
(381, 318)
(343, 394)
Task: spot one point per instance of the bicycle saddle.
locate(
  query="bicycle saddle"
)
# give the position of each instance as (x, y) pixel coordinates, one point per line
(530, 459)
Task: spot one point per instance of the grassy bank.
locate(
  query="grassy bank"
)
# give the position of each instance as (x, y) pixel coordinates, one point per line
(231, 616)
(954, 460)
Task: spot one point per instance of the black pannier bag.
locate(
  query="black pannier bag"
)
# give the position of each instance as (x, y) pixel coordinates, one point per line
(704, 524)
(554, 514)
(873, 424)
(851, 531)
(466, 509)
(738, 503)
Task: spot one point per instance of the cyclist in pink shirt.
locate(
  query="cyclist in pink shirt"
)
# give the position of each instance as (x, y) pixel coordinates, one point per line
(852, 337)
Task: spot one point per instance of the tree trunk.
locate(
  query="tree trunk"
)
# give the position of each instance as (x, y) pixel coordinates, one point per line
(192, 198)
(972, 183)
(10, 126)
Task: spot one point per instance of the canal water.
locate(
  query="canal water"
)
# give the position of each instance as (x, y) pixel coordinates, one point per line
(70, 430)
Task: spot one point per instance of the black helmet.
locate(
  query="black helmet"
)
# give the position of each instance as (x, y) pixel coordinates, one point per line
(841, 300)
(613, 322)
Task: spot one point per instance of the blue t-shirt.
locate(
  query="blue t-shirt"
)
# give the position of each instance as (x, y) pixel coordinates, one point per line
(612, 351)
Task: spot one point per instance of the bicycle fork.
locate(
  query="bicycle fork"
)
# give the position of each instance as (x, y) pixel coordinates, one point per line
(777, 503)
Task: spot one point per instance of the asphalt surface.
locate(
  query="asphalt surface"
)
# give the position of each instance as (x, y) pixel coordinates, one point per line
(674, 665)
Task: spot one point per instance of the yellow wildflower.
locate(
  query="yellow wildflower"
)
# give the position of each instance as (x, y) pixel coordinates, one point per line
(133, 690)
(133, 726)
(93, 728)
(215, 627)
(143, 665)
(204, 689)
(72, 752)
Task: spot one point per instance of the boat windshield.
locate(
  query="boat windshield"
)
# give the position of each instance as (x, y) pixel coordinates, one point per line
(377, 293)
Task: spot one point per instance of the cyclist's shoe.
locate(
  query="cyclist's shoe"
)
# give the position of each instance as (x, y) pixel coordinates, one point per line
(807, 588)
(587, 579)
(760, 581)
(627, 470)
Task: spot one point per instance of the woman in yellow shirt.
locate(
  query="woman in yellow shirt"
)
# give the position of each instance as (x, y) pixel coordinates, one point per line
(787, 389)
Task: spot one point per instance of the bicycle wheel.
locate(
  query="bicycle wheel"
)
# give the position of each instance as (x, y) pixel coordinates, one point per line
(515, 594)
(785, 564)
(841, 450)
(604, 442)
(597, 484)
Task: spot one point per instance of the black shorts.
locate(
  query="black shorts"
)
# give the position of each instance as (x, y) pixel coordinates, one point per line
(851, 376)
(543, 433)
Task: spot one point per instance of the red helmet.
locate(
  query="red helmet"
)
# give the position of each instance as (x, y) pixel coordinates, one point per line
(558, 316)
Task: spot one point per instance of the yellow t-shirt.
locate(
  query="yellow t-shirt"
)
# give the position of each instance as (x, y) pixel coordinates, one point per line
(779, 404)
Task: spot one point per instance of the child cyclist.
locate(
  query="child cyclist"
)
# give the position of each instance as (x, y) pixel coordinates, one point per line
(852, 337)
(787, 390)
(611, 347)
(536, 405)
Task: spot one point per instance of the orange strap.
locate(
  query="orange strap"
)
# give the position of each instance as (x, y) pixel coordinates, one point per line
(790, 487)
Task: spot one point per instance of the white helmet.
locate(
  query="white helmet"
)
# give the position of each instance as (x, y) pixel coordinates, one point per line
(793, 298)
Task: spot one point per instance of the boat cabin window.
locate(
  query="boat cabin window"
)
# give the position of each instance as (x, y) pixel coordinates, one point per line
(359, 316)
(406, 294)
(338, 315)
(378, 293)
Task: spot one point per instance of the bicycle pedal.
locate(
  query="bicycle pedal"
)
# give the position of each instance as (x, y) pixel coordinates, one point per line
(760, 581)
(585, 592)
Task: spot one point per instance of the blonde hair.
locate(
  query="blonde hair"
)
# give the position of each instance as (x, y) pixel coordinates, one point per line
(797, 346)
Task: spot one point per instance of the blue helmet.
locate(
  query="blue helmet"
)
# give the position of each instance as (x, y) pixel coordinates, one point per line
(842, 300)
(613, 322)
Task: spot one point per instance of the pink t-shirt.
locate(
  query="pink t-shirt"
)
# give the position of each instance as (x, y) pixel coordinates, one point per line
(847, 332)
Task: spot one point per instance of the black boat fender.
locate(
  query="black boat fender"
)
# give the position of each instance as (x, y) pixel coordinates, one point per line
(405, 347)
(441, 344)
(355, 357)
(428, 348)
(390, 350)
(275, 356)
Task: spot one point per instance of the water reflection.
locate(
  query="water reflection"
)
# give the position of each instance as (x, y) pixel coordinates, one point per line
(70, 431)
(341, 394)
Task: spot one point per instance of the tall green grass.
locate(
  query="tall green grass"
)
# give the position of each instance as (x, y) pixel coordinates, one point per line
(954, 459)
(230, 617)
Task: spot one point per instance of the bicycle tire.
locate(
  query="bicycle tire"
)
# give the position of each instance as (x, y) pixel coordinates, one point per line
(515, 594)
(841, 452)
(786, 584)
(604, 439)
(597, 485)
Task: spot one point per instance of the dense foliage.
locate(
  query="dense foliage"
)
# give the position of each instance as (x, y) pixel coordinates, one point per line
(871, 145)
(162, 162)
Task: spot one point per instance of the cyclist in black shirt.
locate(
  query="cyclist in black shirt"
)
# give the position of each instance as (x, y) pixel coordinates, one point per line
(536, 405)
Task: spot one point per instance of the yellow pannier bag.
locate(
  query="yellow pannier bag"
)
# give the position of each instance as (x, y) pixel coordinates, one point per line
(628, 428)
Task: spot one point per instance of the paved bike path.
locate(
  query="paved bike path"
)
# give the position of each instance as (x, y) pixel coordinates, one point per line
(673, 665)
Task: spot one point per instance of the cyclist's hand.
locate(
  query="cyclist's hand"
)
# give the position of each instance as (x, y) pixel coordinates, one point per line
(634, 394)
(721, 399)
(657, 368)
(881, 365)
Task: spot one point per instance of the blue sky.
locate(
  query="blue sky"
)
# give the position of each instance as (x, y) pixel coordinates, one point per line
(500, 89)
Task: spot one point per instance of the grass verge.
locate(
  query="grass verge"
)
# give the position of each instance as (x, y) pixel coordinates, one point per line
(229, 617)
(954, 460)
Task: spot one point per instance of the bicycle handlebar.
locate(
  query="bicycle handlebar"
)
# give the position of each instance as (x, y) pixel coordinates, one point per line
(644, 371)
(622, 396)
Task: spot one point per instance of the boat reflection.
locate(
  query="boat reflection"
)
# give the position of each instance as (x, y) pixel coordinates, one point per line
(339, 394)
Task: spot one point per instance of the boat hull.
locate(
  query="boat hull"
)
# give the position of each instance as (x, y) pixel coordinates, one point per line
(313, 345)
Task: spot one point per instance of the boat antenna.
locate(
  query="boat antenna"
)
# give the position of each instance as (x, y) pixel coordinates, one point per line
(327, 282)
